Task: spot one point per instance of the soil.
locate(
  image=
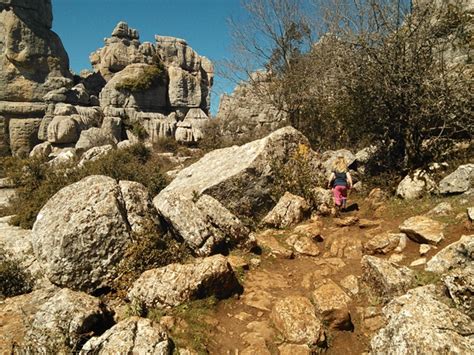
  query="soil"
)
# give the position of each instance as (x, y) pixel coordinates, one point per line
(238, 322)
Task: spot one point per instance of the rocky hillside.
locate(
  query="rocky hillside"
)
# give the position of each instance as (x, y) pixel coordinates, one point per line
(265, 272)
(136, 90)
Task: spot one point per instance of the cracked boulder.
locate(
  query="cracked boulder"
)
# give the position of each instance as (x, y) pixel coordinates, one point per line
(214, 200)
(84, 230)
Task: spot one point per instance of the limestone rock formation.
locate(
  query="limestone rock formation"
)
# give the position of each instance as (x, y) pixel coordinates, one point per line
(131, 336)
(175, 284)
(32, 60)
(192, 128)
(419, 322)
(249, 110)
(83, 231)
(208, 202)
(23, 135)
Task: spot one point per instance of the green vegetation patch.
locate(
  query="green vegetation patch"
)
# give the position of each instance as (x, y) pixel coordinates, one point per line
(37, 182)
(151, 76)
(14, 279)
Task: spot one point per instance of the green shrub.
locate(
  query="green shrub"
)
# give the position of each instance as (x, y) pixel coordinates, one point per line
(14, 280)
(151, 76)
(38, 182)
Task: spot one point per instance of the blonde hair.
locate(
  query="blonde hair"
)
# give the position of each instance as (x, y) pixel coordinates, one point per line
(340, 164)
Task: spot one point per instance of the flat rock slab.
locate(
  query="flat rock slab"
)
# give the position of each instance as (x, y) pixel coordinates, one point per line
(423, 230)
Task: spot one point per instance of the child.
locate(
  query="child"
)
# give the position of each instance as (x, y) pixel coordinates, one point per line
(340, 181)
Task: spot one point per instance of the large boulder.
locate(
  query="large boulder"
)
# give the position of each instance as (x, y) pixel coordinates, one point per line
(415, 185)
(32, 58)
(385, 279)
(459, 181)
(191, 129)
(84, 230)
(420, 323)
(422, 229)
(131, 336)
(175, 284)
(460, 286)
(184, 88)
(295, 318)
(211, 201)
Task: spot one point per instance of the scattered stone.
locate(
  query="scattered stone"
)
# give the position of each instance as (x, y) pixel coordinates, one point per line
(415, 185)
(274, 247)
(243, 316)
(237, 262)
(346, 247)
(303, 245)
(294, 317)
(459, 254)
(289, 210)
(419, 323)
(459, 181)
(376, 198)
(384, 278)
(322, 200)
(351, 284)
(422, 229)
(131, 336)
(418, 262)
(311, 230)
(396, 258)
(65, 157)
(442, 209)
(368, 223)
(175, 284)
(346, 221)
(294, 349)
(470, 213)
(382, 243)
(331, 302)
(424, 249)
(255, 262)
(402, 244)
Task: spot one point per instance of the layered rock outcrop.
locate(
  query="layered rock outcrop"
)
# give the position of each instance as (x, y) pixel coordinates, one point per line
(249, 109)
(163, 87)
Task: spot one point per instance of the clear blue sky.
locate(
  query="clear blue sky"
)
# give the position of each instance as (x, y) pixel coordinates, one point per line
(83, 25)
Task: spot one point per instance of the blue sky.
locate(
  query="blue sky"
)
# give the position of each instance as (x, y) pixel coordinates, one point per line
(83, 25)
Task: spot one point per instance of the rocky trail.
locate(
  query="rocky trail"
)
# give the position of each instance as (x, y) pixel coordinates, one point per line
(323, 270)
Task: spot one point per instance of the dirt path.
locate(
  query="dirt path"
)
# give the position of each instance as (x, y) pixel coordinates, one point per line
(244, 326)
